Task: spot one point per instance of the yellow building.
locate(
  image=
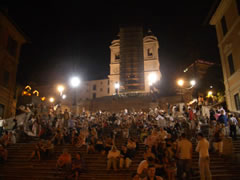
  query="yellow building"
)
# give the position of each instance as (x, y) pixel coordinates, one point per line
(11, 40)
(226, 19)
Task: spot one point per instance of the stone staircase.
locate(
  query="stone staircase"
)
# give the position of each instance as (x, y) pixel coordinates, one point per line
(18, 165)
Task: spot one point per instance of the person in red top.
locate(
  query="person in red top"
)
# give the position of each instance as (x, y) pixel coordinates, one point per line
(64, 160)
(191, 115)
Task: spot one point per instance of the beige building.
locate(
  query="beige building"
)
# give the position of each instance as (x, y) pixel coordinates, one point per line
(226, 19)
(93, 89)
(11, 40)
(152, 72)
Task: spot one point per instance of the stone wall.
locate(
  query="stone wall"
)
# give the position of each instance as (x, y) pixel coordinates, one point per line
(116, 104)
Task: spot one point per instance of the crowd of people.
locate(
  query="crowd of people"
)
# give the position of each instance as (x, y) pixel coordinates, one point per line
(166, 135)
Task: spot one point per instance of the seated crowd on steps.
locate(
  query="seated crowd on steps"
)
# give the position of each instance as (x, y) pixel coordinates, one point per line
(167, 137)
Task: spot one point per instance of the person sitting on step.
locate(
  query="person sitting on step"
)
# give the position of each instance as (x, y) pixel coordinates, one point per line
(64, 160)
(113, 157)
(125, 158)
(77, 166)
(49, 148)
(38, 150)
(99, 146)
(151, 174)
(131, 146)
(143, 166)
(148, 153)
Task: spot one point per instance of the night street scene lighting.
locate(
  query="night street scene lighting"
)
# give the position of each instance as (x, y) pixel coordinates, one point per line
(120, 92)
(75, 81)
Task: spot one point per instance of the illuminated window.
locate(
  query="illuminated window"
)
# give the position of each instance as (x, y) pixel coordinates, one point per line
(12, 46)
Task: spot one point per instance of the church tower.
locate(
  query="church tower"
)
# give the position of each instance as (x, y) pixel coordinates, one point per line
(152, 72)
(134, 64)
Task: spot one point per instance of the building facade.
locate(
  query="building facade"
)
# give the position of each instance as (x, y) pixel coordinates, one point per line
(142, 78)
(94, 89)
(11, 40)
(226, 19)
(139, 71)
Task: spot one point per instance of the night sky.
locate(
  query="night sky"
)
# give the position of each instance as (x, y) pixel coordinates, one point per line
(69, 38)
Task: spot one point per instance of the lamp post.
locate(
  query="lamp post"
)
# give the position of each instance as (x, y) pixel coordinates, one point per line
(64, 96)
(116, 86)
(152, 78)
(180, 83)
(193, 83)
(60, 89)
(75, 82)
(51, 100)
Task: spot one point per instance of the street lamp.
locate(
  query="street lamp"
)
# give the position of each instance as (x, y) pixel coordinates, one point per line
(210, 93)
(117, 86)
(64, 96)
(75, 82)
(193, 83)
(51, 99)
(60, 89)
(180, 82)
(152, 78)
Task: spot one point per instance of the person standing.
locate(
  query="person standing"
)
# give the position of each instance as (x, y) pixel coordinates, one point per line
(233, 126)
(184, 152)
(202, 148)
(113, 156)
(66, 118)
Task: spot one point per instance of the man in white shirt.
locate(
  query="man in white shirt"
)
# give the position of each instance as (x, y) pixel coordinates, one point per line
(184, 151)
(202, 148)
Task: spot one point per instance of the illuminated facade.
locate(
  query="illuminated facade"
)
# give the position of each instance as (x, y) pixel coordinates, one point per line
(149, 73)
(11, 40)
(226, 19)
(142, 77)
